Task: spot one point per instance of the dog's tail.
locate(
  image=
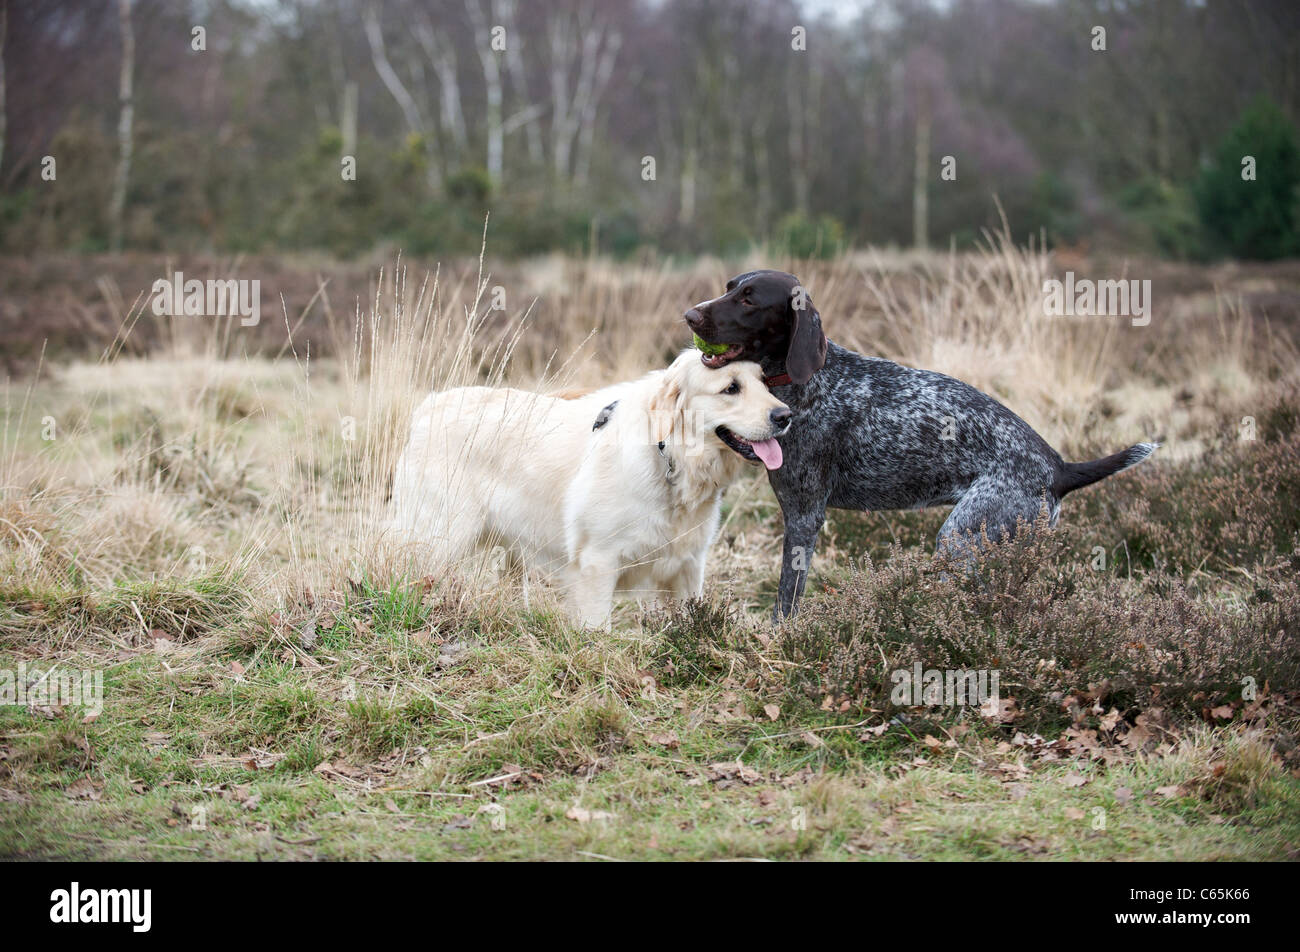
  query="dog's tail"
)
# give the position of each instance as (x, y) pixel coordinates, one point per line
(1077, 475)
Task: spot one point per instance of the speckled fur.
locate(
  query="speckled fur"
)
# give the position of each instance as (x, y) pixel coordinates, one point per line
(871, 434)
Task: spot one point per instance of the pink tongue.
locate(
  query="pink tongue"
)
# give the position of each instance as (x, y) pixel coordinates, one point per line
(769, 451)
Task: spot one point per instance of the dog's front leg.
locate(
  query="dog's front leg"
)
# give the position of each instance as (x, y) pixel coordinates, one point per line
(594, 576)
(802, 528)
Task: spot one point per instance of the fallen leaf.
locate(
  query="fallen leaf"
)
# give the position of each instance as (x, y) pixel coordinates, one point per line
(726, 773)
(83, 788)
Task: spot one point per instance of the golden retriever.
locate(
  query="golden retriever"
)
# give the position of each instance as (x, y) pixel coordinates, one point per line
(617, 490)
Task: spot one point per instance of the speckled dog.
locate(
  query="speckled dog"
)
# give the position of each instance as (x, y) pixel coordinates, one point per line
(871, 434)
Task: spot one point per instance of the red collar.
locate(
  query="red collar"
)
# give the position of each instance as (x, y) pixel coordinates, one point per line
(780, 380)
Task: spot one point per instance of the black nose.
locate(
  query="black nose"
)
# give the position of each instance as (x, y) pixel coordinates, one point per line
(693, 317)
(781, 416)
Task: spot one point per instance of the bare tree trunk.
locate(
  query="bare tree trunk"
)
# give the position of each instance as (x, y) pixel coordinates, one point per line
(442, 55)
(798, 147)
(594, 51)
(762, 169)
(126, 99)
(4, 34)
(690, 167)
(736, 171)
(529, 117)
(339, 82)
(896, 125)
(348, 118)
(560, 42)
(1163, 163)
(591, 103)
(492, 81)
(405, 101)
(921, 175)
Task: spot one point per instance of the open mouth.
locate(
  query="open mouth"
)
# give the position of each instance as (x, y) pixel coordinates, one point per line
(721, 358)
(767, 452)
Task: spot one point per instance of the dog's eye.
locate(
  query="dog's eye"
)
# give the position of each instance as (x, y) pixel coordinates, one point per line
(733, 389)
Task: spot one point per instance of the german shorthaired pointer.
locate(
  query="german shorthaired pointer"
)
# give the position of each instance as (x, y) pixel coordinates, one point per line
(871, 434)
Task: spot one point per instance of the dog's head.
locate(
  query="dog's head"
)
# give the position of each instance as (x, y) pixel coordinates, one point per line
(764, 315)
(715, 411)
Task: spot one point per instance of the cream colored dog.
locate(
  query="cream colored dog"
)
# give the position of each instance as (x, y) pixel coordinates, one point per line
(618, 490)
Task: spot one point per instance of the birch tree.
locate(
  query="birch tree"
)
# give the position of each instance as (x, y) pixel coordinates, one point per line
(4, 34)
(579, 44)
(528, 116)
(921, 174)
(415, 121)
(126, 101)
(492, 82)
(441, 54)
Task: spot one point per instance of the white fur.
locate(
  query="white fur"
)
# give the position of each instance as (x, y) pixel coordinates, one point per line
(601, 511)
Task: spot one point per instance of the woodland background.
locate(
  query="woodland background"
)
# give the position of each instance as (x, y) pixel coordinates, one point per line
(238, 147)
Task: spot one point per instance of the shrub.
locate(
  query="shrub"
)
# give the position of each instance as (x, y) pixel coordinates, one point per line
(471, 187)
(803, 236)
(1254, 219)
(1236, 509)
(1166, 216)
(696, 641)
(1053, 627)
(1054, 207)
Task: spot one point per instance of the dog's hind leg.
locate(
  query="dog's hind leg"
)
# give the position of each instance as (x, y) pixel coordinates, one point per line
(518, 567)
(447, 532)
(991, 507)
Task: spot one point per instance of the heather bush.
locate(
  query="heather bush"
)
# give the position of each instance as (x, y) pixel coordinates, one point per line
(1237, 508)
(1054, 627)
(696, 641)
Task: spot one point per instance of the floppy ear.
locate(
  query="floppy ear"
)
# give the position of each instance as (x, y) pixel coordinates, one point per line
(667, 406)
(807, 350)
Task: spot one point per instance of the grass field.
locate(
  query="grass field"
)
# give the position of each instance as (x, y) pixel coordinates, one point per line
(197, 515)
